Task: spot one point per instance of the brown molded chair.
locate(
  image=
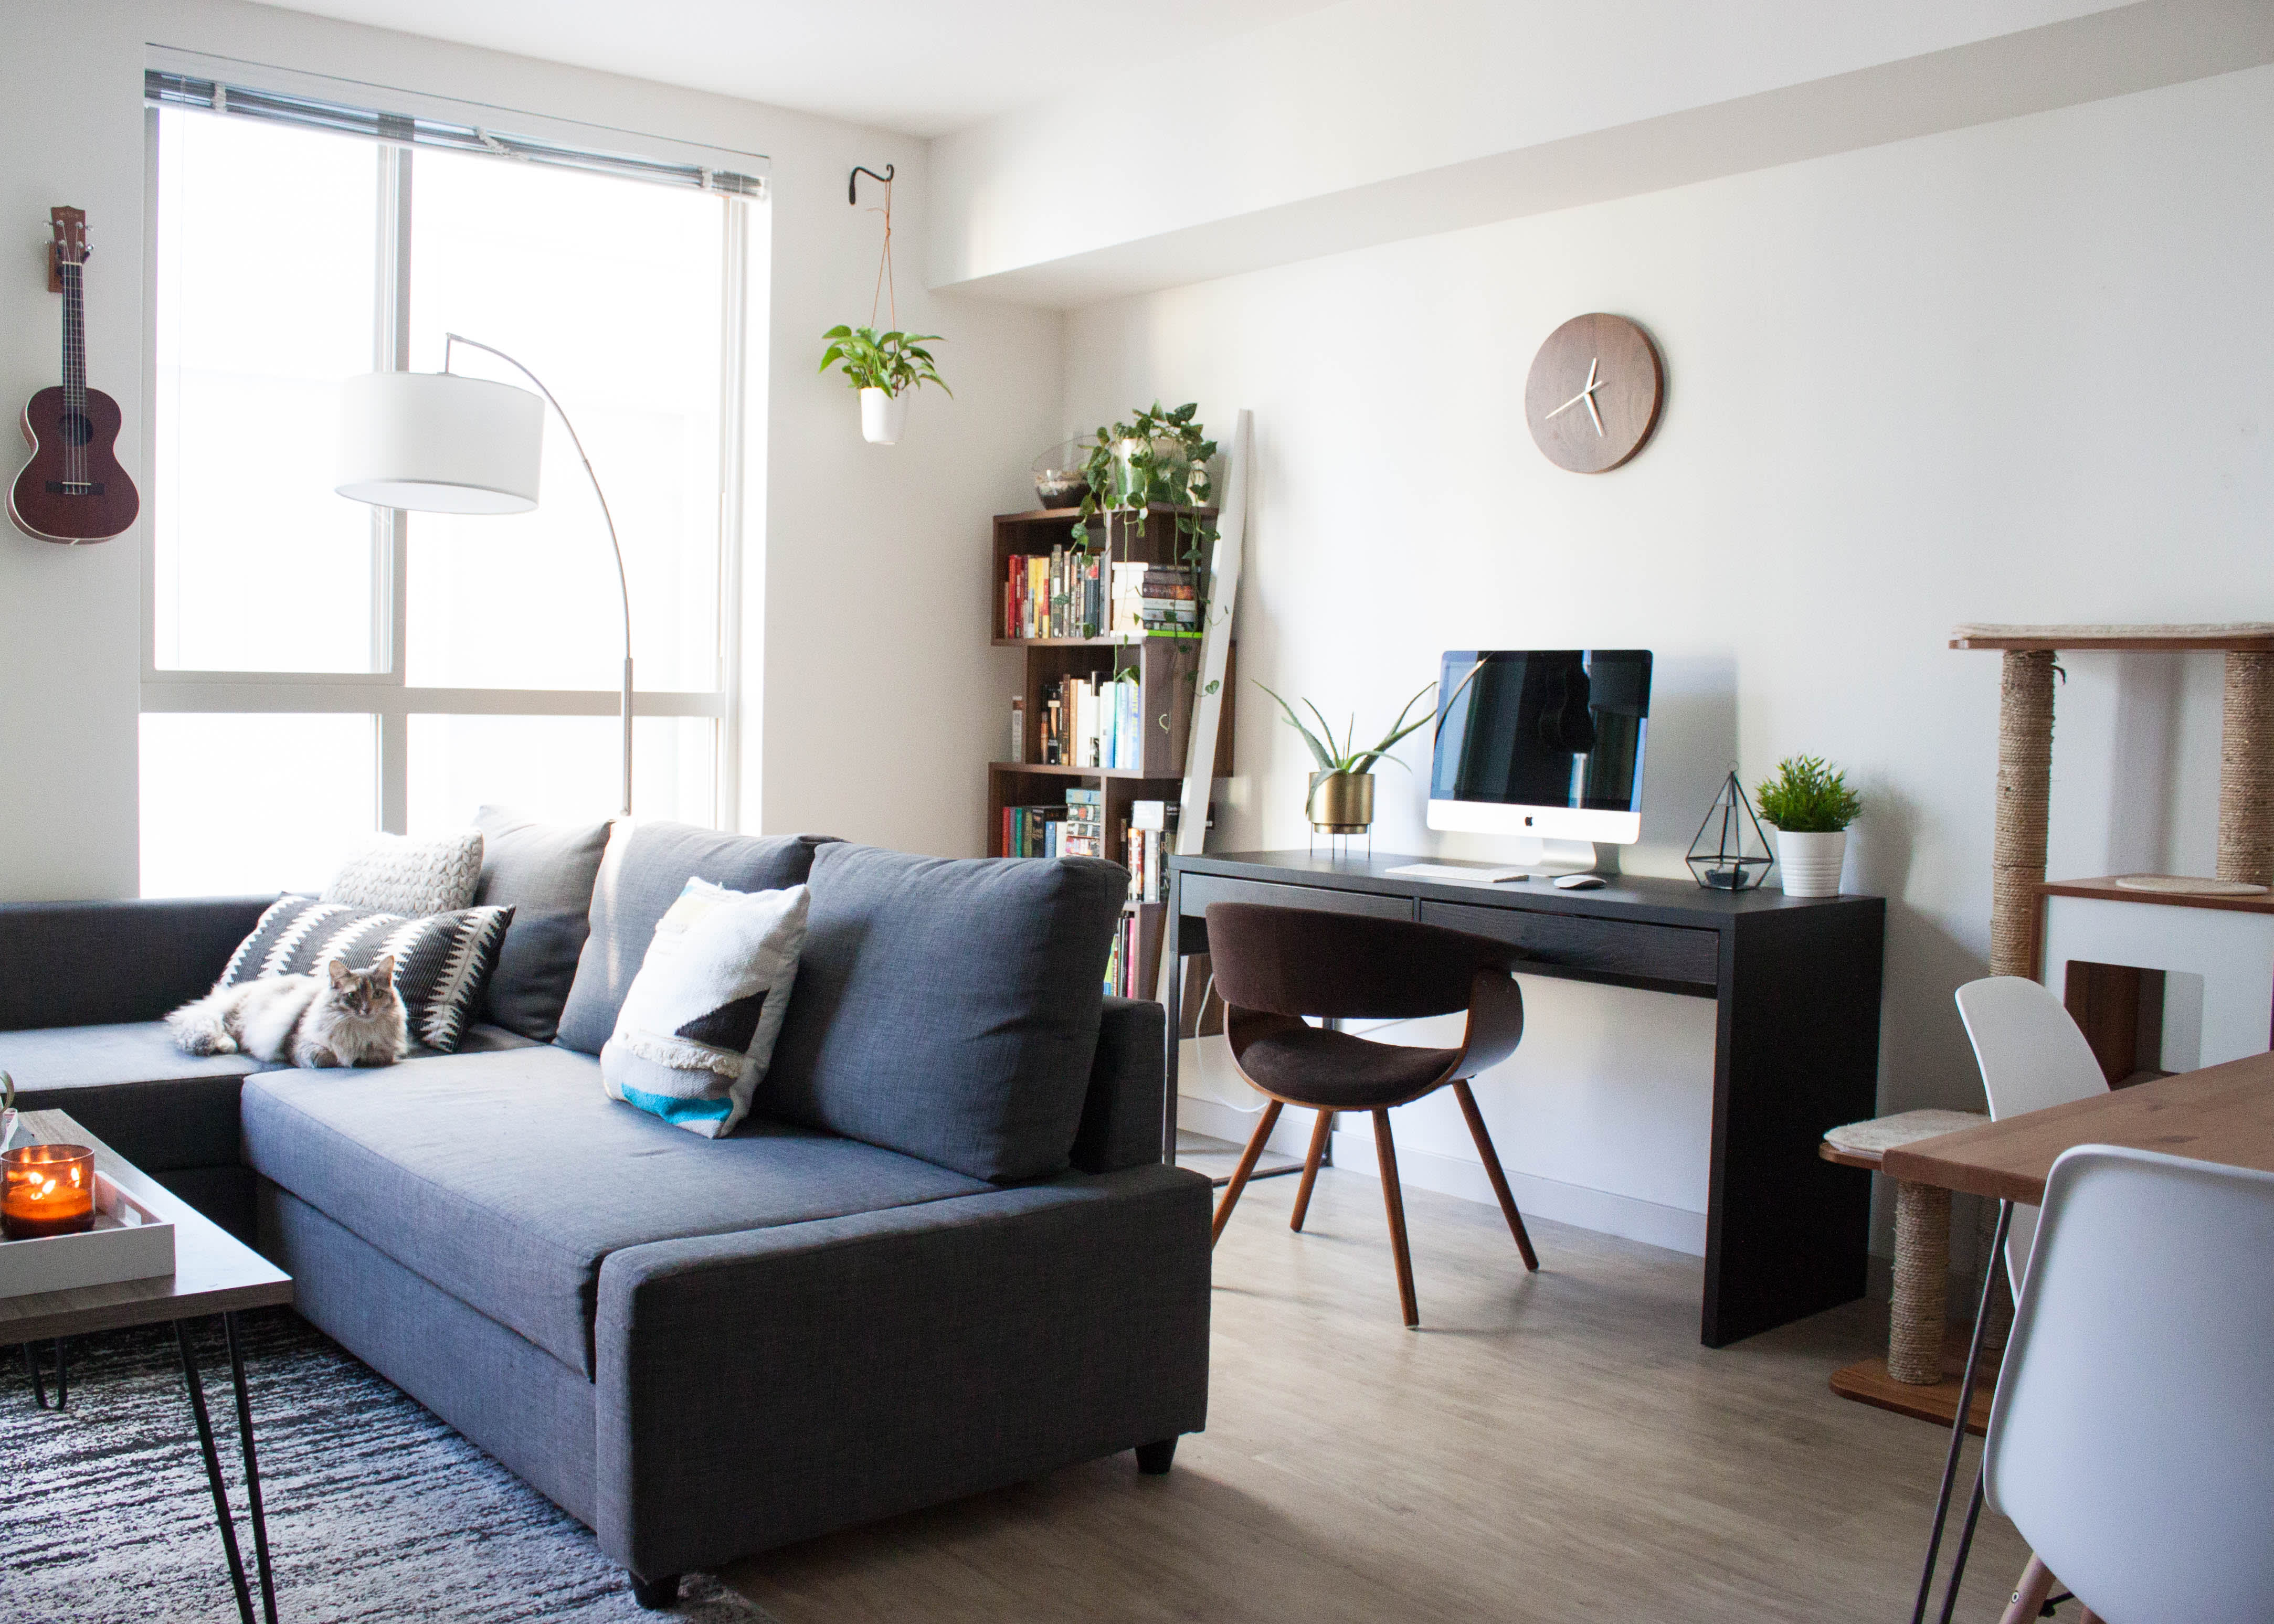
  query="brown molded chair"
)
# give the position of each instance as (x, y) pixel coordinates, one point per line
(1276, 965)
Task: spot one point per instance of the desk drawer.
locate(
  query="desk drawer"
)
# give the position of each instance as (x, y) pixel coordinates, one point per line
(1604, 947)
(1200, 890)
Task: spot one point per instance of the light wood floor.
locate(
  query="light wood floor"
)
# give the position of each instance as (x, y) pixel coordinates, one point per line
(1557, 1447)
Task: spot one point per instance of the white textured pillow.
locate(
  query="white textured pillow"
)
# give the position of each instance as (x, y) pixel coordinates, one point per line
(699, 1021)
(435, 874)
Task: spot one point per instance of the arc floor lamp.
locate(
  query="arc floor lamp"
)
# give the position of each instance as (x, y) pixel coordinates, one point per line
(440, 442)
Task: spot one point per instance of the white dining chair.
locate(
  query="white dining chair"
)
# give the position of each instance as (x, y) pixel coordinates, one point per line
(2031, 1056)
(2132, 1441)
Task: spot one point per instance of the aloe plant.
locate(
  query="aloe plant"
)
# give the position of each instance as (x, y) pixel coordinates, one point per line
(1344, 755)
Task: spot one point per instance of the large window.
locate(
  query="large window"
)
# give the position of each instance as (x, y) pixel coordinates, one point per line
(315, 669)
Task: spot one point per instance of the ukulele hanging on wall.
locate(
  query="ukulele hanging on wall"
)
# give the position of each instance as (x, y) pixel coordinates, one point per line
(73, 490)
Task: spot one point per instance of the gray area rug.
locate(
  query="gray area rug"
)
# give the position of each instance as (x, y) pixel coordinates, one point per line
(376, 1510)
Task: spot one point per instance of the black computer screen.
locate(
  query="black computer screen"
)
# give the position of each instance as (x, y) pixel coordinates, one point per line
(1543, 727)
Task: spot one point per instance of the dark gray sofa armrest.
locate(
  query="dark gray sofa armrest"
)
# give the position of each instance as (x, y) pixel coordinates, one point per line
(1128, 1079)
(88, 964)
(766, 1386)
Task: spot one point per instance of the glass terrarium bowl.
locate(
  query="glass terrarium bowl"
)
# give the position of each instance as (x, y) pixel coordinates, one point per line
(1059, 481)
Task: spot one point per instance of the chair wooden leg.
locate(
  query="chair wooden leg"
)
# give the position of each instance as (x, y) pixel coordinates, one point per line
(1319, 1133)
(1491, 1159)
(1393, 1201)
(1246, 1166)
(2030, 1592)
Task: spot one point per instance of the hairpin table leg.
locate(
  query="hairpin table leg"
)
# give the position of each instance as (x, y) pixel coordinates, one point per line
(1958, 1427)
(251, 1471)
(63, 1372)
(213, 1472)
(32, 1369)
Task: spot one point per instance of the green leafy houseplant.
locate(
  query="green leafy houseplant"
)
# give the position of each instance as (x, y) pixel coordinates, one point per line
(1344, 757)
(893, 362)
(1807, 797)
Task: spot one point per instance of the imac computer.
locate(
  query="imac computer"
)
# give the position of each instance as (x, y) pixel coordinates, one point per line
(1544, 746)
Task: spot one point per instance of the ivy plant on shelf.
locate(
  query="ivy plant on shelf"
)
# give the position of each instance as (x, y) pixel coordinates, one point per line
(884, 367)
(1155, 457)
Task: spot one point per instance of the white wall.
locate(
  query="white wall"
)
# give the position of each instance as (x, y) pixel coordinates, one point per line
(876, 698)
(2015, 372)
(1371, 121)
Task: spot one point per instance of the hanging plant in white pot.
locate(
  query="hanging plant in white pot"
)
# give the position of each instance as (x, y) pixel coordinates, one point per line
(1810, 805)
(885, 367)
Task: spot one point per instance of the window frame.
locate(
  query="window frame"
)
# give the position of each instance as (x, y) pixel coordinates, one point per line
(385, 695)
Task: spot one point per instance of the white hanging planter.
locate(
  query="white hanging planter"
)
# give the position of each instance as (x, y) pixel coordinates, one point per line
(883, 417)
(1809, 864)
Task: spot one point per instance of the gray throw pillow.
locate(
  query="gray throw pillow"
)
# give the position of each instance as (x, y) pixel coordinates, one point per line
(646, 866)
(545, 872)
(948, 1007)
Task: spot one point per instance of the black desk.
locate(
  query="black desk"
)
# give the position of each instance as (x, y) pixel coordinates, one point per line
(1795, 1047)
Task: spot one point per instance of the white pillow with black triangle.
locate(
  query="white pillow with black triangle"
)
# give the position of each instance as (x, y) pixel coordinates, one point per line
(699, 1021)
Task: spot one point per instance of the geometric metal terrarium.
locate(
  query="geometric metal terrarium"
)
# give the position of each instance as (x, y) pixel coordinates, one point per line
(1730, 852)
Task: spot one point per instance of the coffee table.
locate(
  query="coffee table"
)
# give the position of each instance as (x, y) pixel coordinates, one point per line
(213, 1273)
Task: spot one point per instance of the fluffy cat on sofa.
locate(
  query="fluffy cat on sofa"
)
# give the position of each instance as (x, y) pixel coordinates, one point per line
(344, 1017)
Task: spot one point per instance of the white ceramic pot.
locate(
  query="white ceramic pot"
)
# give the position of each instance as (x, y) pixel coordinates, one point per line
(1809, 864)
(883, 417)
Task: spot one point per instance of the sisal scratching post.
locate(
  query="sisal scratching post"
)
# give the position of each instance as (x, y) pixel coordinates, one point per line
(1915, 1319)
(2245, 772)
(2025, 765)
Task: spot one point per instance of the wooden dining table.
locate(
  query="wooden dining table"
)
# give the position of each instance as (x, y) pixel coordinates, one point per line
(2222, 1113)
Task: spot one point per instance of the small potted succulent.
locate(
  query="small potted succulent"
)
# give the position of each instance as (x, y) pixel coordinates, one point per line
(1340, 797)
(884, 367)
(1810, 805)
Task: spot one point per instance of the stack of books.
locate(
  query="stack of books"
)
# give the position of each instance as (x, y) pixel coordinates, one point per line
(1093, 722)
(1060, 594)
(1168, 601)
(1082, 834)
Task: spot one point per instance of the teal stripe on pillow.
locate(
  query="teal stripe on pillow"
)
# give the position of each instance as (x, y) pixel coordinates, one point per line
(678, 1112)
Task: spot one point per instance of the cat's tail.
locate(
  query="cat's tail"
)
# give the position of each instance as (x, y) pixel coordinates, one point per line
(199, 1027)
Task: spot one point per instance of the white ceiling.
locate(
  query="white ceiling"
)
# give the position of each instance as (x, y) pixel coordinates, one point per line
(922, 67)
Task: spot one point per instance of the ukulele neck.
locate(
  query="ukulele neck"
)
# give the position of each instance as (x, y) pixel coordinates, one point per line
(74, 274)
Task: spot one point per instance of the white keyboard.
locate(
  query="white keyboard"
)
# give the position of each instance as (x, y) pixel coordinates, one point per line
(1459, 873)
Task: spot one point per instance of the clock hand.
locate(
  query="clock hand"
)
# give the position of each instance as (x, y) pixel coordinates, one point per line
(1586, 395)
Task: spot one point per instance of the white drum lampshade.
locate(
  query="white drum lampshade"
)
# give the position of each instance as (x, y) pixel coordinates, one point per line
(437, 442)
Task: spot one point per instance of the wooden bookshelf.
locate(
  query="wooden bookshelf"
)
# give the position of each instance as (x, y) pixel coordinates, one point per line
(1164, 667)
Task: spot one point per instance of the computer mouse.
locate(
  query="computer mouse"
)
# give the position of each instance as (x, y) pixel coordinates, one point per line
(1579, 882)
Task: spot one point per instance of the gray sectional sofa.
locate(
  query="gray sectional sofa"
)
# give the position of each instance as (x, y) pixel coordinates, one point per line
(941, 1255)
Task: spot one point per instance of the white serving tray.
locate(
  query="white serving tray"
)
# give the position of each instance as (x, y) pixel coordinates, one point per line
(128, 1242)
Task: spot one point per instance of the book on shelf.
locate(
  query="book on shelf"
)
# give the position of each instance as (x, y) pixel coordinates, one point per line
(1067, 592)
(1093, 722)
(1145, 851)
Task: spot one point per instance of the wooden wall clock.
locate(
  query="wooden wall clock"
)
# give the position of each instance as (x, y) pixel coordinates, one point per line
(1594, 393)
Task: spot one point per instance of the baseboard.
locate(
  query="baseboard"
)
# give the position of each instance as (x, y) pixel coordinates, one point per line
(1600, 1210)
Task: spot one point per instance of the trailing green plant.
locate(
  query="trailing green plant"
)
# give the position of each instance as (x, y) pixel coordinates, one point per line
(1155, 455)
(892, 362)
(1807, 797)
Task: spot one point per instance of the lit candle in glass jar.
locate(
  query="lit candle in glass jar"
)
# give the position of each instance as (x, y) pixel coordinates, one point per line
(49, 1189)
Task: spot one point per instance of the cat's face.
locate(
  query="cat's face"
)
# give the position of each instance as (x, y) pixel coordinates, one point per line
(364, 993)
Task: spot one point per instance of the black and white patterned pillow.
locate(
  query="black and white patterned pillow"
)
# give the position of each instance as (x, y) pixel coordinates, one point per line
(442, 960)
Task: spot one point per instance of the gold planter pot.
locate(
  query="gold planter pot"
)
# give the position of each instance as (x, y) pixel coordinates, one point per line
(1340, 803)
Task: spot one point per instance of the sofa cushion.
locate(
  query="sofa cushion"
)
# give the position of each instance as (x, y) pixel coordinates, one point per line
(646, 866)
(133, 1090)
(948, 1007)
(544, 872)
(507, 1179)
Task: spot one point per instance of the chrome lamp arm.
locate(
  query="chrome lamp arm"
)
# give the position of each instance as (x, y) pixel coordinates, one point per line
(623, 586)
